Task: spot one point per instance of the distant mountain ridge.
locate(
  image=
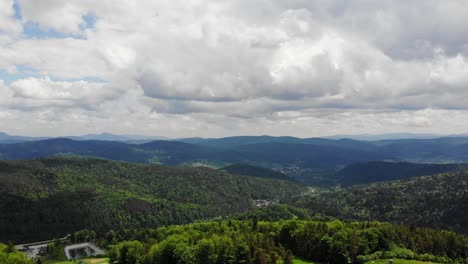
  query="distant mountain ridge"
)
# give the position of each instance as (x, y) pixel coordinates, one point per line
(6, 138)
(268, 154)
(115, 137)
(388, 136)
(263, 151)
(235, 140)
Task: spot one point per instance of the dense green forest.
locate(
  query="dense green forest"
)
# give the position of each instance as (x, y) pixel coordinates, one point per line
(252, 242)
(435, 201)
(54, 196)
(277, 212)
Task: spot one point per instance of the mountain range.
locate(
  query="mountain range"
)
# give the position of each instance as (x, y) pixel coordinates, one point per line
(6, 138)
(313, 161)
(266, 151)
(56, 186)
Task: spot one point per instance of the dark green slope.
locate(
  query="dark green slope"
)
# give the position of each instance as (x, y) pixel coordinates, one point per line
(250, 170)
(52, 197)
(435, 201)
(176, 153)
(377, 171)
(309, 155)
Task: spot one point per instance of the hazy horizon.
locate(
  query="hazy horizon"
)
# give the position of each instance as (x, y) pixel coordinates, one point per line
(403, 135)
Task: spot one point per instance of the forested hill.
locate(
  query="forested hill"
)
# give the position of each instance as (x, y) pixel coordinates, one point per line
(52, 197)
(376, 171)
(436, 201)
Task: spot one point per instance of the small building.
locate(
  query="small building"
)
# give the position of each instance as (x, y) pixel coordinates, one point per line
(262, 203)
(82, 250)
(33, 250)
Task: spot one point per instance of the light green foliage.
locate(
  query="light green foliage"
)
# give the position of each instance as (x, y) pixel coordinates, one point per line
(303, 261)
(235, 241)
(9, 255)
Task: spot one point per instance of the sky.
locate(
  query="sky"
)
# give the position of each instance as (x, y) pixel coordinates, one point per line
(243, 67)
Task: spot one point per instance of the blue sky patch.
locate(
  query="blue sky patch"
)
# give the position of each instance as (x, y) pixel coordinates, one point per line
(23, 72)
(89, 21)
(90, 79)
(17, 10)
(33, 30)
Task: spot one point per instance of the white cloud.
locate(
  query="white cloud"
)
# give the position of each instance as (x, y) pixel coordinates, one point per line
(318, 67)
(46, 89)
(63, 16)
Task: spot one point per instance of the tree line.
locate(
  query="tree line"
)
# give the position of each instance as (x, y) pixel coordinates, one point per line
(258, 242)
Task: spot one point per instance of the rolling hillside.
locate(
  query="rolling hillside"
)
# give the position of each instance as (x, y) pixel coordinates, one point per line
(436, 201)
(54, 196)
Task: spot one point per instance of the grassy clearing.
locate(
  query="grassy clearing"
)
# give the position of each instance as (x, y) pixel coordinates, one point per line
(297, 260)
(49, 261)
(398, 261)
(84, 261)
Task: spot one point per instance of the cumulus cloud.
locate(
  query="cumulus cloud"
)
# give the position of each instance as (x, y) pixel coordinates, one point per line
(46, 89)
(223, 67)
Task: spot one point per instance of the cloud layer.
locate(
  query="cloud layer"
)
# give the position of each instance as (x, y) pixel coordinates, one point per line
(216, 68)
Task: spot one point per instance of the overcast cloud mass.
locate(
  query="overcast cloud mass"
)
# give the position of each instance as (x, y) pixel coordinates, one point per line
(244, 67)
